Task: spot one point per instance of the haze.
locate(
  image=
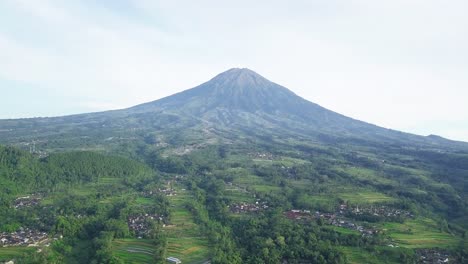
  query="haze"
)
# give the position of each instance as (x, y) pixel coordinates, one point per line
(397, 64)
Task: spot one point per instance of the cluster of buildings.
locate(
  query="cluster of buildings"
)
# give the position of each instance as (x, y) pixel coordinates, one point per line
(23, 237)
(379, 211)
(350, 225)
(166, 191)
(27, 201)
(140, 224)
(331, 219)
(432, 256)
(260, 155)
(248, 207)
(298, 215)
(339, 217)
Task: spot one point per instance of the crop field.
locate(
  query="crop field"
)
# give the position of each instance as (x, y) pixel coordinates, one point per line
(265, 188)
(362, 197)
(185, 240)
(356, 255)
(249, 180)
(133, 250)
(144, 201)
(359, 256)
(419, 233)
(239, 195)
(8, 253)
(108, 180)
(330, 199)
(189, 249)
(363, 174)
(256, 183)
(345, 230)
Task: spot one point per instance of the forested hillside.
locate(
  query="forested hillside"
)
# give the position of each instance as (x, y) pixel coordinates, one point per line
(265, 207)
(236, 170)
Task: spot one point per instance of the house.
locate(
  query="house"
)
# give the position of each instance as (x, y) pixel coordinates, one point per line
(173, 260)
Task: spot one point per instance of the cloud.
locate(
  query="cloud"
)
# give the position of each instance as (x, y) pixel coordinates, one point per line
(399, 64)
(106, 56)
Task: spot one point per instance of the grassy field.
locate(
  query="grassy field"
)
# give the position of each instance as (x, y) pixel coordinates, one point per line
(356, 255)
(109, 180)
(283, 161)
(133, 250)
(249, 180)
(363, 197)
(420, 233)
(265, 188)
(330, 200)
(359, 256)
(238, 196)
(363, 174)
(256, 183)
(345, 230)
(9, 253)
(144, 201)
(301, 184)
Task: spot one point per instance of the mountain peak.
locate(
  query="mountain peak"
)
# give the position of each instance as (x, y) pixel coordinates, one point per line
(237, 89)
(240, 78)
(237, 72)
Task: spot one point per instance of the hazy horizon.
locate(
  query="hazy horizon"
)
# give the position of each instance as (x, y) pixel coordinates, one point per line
(400, 64)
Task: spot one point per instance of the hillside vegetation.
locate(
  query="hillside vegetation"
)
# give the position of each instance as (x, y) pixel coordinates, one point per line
(236, 170)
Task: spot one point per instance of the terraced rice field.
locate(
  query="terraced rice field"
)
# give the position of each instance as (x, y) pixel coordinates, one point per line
(420, 233)
(134, 250)
(185, 239)
(9, 253)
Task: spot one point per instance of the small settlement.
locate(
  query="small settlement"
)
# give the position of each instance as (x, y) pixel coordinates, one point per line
(263, 156)
(140, 224)
(27, 201)
(23, 237)
(238, 208)
(341, 218)
(432, 256)
(380, 211)
(165, 191)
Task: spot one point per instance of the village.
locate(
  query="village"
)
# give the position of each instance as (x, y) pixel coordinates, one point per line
(27, 201)
(165, 191)
(340, 217)
(331, 219)
(432, 256)
(140, 224)
(263, 156)
(379, 211)
(239, 208)
(23, 237)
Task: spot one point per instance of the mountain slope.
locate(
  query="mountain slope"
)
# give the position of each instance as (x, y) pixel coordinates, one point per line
(239, 96)
(233, 101)
(240, 138)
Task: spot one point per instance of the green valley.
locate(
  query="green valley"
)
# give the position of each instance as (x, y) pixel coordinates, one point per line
(236, 170)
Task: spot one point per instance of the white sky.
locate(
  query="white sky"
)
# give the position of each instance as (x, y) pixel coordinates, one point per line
(401, 64)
